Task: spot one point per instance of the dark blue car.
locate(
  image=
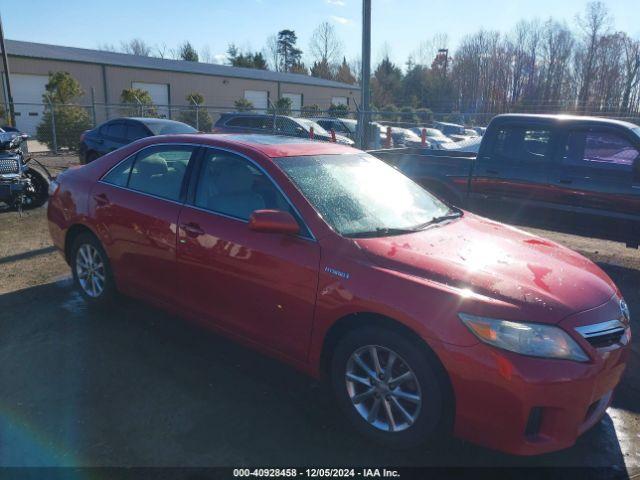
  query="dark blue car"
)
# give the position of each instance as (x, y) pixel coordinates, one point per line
(118, 132)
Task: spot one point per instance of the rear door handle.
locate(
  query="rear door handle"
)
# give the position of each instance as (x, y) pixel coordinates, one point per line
(101, 199)
(192, 229)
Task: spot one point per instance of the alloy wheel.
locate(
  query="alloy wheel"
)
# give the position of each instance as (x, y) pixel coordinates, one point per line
(90, 270)
(383, 388)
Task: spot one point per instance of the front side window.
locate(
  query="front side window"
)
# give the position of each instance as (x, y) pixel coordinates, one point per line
(359, 195)
(600, 149)
(231, 185)
(159, 171)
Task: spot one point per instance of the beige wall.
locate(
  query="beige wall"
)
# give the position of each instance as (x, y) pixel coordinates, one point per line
(218, 91)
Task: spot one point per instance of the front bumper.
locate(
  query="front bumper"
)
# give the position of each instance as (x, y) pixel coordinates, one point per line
(528, 406)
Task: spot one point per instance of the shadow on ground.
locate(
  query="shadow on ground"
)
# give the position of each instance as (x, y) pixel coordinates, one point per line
(133, 386)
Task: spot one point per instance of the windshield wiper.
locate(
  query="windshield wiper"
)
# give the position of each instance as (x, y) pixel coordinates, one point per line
(442, 218)
(381, 232)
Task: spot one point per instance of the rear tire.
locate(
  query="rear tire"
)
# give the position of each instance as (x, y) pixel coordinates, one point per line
(91, 270)
(40, 193)
(395, 414)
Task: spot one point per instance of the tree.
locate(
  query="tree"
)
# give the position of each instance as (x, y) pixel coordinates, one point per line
(187, 52)
(61, 91)
(137, 102)
(338, 111)
(386, 83)
(236, 58)
(136, 46)
(344, 74)
(321, 69)
(300, 68)
(289, 55)
(593, 24)
(196, 116)
(325, 46)
(408, 115)
(424, 115)
(243, 105)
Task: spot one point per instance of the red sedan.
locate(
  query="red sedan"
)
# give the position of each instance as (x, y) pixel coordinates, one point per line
(425, 318)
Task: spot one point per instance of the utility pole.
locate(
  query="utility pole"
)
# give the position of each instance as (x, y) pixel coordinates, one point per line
(5, 62)
(363, 121)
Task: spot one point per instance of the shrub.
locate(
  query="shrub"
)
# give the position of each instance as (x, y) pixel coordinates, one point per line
(196, 117)
(310, 111)
(70, 119)
(282, 107)
(243, 105)
(425, 115)
(338, 111)
(137, 103)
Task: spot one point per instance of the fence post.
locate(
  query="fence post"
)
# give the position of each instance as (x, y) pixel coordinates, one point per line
(424, 136)
(311, 133)
(54, 136)
(93, 105)
(333, 135)
(388, 139)
(197, 113)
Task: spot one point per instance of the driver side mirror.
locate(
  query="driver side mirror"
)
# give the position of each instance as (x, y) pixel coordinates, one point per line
(273, 221)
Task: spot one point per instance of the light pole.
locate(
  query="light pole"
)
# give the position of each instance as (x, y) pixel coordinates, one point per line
(363, 121)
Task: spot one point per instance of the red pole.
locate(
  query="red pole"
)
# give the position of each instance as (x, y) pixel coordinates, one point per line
(388, 137)
(311, 133)
(424, 137)
(333, 135)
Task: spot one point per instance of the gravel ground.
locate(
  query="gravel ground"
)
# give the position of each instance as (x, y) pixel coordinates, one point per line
(133, 386)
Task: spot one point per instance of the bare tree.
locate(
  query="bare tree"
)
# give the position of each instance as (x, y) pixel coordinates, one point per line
(631, 62)
(593, 24)
(325, 46)
(136, 46)
(273, 53)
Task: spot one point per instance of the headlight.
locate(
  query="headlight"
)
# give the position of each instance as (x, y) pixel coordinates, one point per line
(531, 339)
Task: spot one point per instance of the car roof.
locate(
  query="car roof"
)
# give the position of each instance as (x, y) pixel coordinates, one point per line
(269, 145)
(560, 118)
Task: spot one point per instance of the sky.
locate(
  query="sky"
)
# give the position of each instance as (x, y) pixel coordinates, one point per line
(399, 27)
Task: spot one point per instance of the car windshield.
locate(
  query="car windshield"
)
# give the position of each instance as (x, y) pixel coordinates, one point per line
(359, 195)
(317, 129)
(169, 128)
(351, 125)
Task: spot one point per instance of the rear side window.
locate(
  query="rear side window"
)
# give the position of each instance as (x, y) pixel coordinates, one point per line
(135, 131)
(519, 144)
(119, 175)
(158, 171)
(600, 149)
(116, 130)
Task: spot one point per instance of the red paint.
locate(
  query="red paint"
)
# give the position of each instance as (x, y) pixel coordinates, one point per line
(423, 135)
(272, 292)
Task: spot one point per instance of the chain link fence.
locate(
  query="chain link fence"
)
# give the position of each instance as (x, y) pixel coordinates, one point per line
(58, 127)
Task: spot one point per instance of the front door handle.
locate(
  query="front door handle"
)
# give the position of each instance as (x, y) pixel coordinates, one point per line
(101, 199)
(192, 229)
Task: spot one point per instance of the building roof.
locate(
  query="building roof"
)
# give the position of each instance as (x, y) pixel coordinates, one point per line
(84, 55)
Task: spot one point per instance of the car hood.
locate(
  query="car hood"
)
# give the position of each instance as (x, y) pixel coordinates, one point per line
(545, 281)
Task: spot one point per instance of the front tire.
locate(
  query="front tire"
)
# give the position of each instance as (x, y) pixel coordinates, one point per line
(38, 193)
(91, 270)
(389, 387)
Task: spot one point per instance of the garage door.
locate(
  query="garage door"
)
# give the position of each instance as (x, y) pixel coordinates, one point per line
(27, 93)
(159, 95)
(259, 98)
(339, 100)
(296, 101)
